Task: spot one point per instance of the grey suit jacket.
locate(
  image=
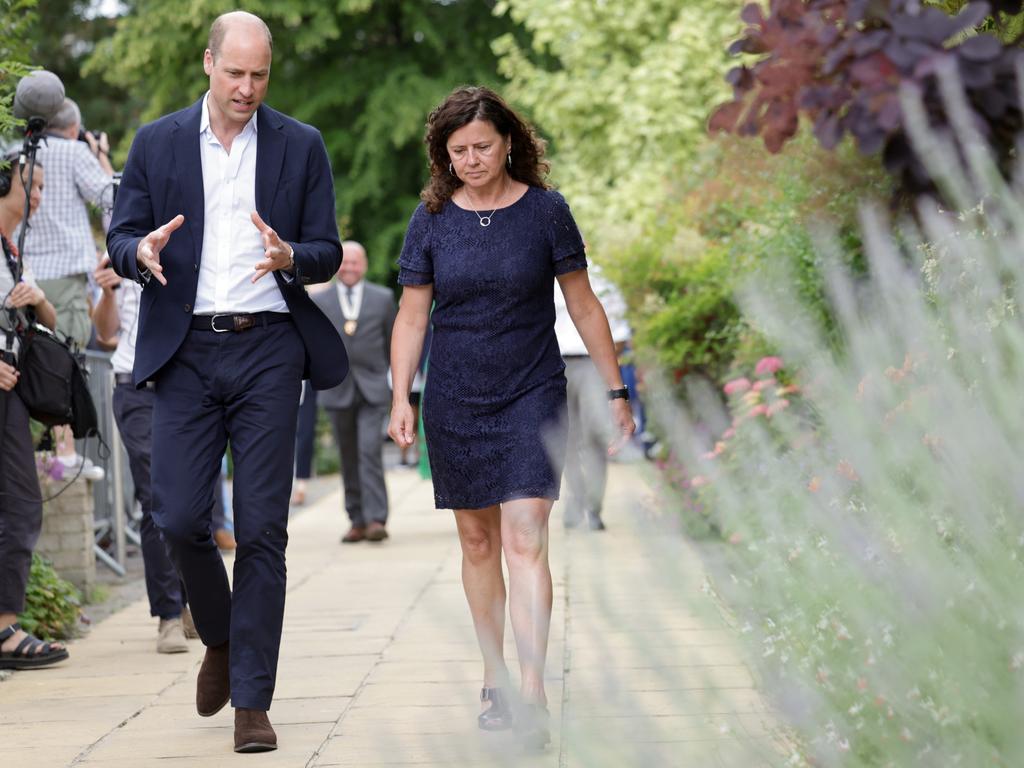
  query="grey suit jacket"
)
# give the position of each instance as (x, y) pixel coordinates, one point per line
(369, 350)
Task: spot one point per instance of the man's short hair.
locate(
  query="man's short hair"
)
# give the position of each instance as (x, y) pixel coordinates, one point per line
(68, 115)
(220, 26)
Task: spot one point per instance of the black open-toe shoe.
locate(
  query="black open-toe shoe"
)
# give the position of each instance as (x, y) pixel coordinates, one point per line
(498, 716)
(533, 726)
(31, 652)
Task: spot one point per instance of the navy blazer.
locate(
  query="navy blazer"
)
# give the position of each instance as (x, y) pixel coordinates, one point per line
(294, 194)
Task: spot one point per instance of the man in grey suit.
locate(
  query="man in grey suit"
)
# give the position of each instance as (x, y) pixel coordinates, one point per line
(364, 313)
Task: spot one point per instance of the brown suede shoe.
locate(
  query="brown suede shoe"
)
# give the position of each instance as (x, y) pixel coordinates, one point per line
(188, 625)
(213, 687)
(253, 731)
(355, 533)
(376, 531)
(170, 637)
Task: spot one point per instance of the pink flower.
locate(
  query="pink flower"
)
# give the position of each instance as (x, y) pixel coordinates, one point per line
(763, 384)
(768, 365)
(759, 410)
(49, 466)
(729, 433)
(736, 386)
(779, 405)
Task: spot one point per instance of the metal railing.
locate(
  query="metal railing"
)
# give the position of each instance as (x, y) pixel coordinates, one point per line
(115, 519)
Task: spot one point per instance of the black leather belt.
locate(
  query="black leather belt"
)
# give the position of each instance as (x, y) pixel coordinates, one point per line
(125, 380)
(223, 323)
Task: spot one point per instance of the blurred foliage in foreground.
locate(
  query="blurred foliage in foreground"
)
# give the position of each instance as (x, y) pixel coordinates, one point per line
(873, 535)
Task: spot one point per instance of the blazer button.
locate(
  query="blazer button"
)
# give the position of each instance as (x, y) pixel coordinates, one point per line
(195, 267)
(188, 307)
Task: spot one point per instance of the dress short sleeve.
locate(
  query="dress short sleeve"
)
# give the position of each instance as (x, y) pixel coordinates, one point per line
(567, 249)
(416, 263)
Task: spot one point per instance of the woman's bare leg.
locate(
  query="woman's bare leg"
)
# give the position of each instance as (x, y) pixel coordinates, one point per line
(524, 537)
(484, 584)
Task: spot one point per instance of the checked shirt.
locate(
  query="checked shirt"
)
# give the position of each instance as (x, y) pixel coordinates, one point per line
(59, 242)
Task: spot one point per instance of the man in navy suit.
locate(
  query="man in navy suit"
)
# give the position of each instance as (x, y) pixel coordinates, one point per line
(225, 213)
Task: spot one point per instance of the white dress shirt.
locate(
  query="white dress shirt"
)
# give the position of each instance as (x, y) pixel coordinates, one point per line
(128, 298)
(232, 246)
(570, 343)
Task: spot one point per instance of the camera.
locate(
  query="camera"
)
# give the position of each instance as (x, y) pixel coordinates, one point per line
(82, 132)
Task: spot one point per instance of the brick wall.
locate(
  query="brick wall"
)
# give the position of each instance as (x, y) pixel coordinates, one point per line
(67, 536)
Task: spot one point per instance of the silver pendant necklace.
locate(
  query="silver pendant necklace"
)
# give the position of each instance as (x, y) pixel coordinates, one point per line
(485, 221)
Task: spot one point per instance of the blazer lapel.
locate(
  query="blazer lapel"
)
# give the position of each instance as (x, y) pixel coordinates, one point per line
(189, 172)
(270, 145)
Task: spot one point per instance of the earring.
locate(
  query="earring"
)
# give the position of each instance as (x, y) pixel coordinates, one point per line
(508, 159)
(450, 169)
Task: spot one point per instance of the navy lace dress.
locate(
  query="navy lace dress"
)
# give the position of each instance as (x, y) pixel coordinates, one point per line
(494, 402)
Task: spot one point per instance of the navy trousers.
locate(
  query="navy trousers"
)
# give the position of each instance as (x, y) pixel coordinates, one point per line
(243, 387)
(133, 411)
(305, 441)
(21, 507)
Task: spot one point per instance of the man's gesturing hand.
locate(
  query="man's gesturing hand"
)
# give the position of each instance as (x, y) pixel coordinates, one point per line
(148, 255)
(278, 253)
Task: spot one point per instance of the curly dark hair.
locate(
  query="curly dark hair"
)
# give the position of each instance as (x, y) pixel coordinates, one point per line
(461, 107)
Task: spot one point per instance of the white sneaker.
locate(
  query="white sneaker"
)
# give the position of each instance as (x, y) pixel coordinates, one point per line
(89, 470)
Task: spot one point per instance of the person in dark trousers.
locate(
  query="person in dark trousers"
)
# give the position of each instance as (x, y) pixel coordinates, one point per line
(21, 506)
(226, 212)
(305, 444)
(358, 407)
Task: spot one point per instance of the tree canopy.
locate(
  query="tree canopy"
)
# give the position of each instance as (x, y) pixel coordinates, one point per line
(623, 90)
(16, 18)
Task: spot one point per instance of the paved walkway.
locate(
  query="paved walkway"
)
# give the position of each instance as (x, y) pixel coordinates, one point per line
(379, 664)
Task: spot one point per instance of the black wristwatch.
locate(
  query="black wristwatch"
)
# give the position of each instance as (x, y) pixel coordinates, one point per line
(615, 394)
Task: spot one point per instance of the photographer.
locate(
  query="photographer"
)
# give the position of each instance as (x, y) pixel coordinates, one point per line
(59, 244)
(21, 508)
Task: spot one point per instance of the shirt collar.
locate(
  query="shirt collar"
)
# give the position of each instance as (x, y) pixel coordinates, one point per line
(204, 119)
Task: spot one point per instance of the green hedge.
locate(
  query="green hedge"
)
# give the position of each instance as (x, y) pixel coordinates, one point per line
(52, 604)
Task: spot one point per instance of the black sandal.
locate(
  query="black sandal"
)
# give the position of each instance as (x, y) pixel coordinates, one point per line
(30, 653)
(498, 716)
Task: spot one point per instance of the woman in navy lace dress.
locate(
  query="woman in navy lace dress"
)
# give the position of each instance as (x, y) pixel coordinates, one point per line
(484, 248)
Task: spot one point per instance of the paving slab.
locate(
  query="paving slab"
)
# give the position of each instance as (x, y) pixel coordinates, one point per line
(379, 664)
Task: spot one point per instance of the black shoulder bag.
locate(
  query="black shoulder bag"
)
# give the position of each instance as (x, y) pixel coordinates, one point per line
(52, 377)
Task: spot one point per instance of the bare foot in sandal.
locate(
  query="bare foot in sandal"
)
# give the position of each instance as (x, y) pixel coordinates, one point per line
(20, 650)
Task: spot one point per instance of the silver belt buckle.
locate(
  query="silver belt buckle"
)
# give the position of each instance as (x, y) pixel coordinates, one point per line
(213, 324)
